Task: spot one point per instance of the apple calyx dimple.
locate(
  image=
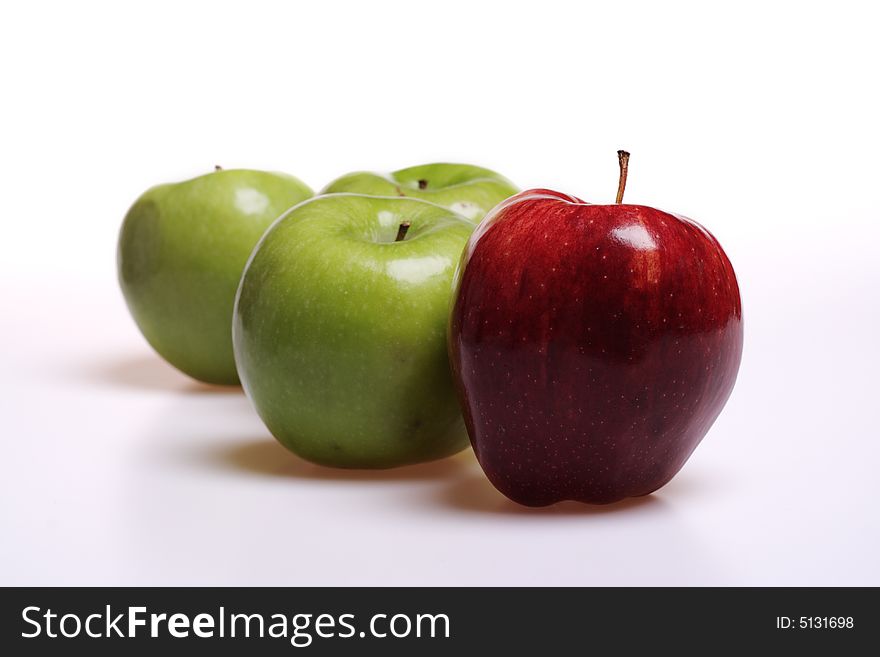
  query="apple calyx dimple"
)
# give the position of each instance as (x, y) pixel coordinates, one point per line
(401, 230)
(423, 184)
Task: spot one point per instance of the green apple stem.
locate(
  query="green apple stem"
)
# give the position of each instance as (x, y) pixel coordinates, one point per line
(423, 183)
(217, 167)
(401, 230)
(623, 158)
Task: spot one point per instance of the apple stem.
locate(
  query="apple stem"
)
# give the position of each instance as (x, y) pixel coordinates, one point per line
(423, 183)
(401, 230)
(623, 158)
(217, 167)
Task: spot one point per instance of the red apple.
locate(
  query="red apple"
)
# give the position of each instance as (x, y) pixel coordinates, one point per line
(593, 346)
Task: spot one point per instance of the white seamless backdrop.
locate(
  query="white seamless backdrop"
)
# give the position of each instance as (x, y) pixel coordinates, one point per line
(759, 121)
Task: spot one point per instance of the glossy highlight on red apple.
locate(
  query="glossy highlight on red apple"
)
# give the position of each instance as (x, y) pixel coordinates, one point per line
(593, 346)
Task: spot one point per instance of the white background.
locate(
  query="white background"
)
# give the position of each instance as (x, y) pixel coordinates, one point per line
(760, 122)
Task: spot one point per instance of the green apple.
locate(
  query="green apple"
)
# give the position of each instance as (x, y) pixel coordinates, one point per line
(468, 190)
(181, 252)
(340, 330)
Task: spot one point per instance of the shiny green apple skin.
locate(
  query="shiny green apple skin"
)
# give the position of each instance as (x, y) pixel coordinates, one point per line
(339, 331)
(181, 252)
(466, 189)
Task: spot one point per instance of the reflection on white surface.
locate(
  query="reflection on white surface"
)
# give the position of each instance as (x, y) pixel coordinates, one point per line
(135, 457)
(417, 270)
(636, 236)
(250, 201)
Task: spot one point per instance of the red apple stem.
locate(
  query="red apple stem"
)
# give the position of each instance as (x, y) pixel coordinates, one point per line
(623, 158)
(401, 230)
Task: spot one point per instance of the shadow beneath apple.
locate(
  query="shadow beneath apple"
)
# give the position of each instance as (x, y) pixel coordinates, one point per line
(698, 481)
(149, 372)
(268, 458)
(473, 493)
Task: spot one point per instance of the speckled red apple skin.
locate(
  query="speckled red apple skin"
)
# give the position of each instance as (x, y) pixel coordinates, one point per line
(593, 346)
